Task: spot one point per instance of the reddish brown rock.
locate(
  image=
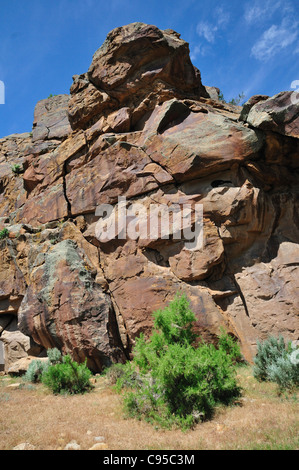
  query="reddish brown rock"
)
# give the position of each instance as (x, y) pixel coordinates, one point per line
(142, 126)
(279, 113)
(49, 205)
(121, 170)
(65, 308)
(12, 282)
(14, 150)
(138, 66)
(201, 144)
(147, 55)
(50, 119)
(87, 102)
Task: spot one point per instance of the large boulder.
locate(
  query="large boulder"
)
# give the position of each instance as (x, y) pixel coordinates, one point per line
(278, 114)
(137, 67)
(64, 307)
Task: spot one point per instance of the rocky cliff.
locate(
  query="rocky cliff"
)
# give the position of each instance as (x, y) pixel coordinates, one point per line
(141, 125)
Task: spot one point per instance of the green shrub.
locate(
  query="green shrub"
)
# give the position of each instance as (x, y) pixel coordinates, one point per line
(122, 375)
(234, 101)
(54, 356)
(17, 169)
(273, 362)
(37, 367)
(179, 382)
(231, 347)
(284, 372)
(4, 233)
(67, 377)
(59, 373)
(268, 352)
(35, 371)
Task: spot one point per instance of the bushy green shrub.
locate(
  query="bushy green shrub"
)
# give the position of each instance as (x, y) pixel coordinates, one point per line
(67, 377)
(179, 382)
(122, 375)
(229, 344)
(35, 370)
(37, 367)
(273, 362)
(59, 373)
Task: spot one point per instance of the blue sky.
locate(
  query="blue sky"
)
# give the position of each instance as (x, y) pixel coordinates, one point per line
(238, 45)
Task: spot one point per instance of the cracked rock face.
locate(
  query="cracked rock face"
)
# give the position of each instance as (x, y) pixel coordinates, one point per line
(140, 125)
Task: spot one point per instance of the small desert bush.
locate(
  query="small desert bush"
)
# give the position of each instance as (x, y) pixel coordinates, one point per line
(37, 367)
(276, 361)
(59, 373)
(174, 379)
(35, 371)
(67, 377)
(54, 356)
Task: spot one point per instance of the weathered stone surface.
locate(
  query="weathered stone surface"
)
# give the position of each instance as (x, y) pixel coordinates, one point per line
(13, 151)
(17, 346)
(12, 282)
(201, 144)
(65, 308)
(279, 113)
(147, 55)
(138, 66)
(20, 366)
(142, 126)
(49, 205)
(50, 119)
(249, 104)
(121, 170)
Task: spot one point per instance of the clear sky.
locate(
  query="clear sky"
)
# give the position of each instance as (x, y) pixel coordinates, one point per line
(249, 46)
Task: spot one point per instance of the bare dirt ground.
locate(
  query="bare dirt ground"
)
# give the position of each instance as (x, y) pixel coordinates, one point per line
(32, 414)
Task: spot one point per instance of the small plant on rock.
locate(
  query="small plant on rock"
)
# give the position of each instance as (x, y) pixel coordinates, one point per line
(4, 233)
(17, 169)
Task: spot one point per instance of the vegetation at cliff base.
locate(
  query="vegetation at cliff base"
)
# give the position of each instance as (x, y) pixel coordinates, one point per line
(175, 378)
(277, 361)
(60, 374)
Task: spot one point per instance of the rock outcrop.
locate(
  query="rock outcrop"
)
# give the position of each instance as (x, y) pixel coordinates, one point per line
(141, 125)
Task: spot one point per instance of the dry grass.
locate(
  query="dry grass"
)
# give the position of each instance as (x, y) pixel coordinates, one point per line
(263, 420)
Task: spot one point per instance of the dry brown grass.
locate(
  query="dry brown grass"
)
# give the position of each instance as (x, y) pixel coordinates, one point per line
(263, 420)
